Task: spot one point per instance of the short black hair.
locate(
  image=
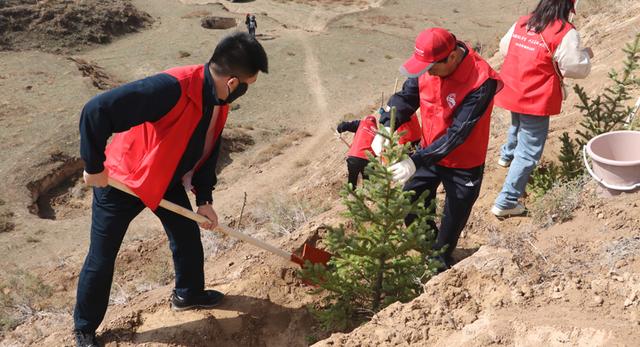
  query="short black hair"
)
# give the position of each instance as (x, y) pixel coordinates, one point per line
(239, 54)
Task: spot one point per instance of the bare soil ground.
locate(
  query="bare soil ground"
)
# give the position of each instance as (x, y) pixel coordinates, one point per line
(63, 25)
(574, 283)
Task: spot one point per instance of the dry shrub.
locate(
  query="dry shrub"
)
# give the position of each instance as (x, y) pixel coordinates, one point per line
(284, 213)
(119, 295)
(6, 222)
(160, 272)
(623, 248)
(558, 204)
(21, 295)
(214, 243)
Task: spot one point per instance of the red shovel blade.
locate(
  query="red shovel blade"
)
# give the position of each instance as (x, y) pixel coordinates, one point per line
(312, 254)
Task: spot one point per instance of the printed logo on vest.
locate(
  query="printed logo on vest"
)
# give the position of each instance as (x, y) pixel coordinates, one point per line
(372, 130)
(451, 100)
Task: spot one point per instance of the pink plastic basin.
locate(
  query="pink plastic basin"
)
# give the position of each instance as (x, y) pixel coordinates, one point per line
(616, 159)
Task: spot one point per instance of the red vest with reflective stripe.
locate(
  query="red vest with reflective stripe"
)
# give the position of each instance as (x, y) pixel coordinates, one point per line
(439, 98)
(412, 130)
(531, 84)
(367, 130)
(146, 156)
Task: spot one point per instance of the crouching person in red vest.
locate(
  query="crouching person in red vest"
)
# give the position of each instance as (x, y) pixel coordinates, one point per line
(365, 131)
(166, 140)
(454, 89)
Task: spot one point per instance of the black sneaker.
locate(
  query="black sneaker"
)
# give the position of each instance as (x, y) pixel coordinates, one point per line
(208, 299)
(85, 339)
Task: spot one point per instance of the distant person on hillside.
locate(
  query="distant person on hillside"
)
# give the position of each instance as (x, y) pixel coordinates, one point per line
(166, 141)
(365, 131)
(250, 22)
(540, 49)
(454, 89)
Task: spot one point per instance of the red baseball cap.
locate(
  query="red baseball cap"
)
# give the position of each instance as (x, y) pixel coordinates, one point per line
(432, 45)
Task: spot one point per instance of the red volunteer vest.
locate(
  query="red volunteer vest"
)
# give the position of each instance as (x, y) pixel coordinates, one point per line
(412, 129)
(531, 84)
(367, 130)
(439, 98)
(361, 145)
(145, 157)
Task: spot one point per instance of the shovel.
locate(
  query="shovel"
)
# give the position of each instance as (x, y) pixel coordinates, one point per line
(310, 253)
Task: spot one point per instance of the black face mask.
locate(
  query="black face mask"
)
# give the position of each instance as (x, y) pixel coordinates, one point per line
(240, 90)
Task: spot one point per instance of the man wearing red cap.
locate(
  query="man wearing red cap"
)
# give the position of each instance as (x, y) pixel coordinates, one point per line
(454, 88)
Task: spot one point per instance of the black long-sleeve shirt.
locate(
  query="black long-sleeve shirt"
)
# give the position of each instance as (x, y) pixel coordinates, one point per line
(351, 126)
(148, 100)
(465, 117)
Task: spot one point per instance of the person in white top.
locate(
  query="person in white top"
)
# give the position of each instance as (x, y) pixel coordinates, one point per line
(573, 60)
(540, 49)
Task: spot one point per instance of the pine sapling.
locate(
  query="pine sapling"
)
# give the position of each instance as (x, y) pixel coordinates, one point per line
(379, 260)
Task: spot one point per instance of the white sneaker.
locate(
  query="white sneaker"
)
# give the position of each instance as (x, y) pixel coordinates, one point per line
(516, 211)
(504, 162)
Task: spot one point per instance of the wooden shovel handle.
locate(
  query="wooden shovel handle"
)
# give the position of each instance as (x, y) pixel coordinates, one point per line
(202, 219)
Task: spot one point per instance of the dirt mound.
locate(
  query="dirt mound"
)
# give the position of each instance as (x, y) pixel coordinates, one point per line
(451, 301)
(487, 300)
(64, 25)
(214, 22)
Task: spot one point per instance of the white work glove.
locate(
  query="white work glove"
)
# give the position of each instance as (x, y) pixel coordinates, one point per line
(379, 142)
(403, 170)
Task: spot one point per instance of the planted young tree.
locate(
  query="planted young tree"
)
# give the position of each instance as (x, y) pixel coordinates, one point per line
(379, 260)
(606, 112)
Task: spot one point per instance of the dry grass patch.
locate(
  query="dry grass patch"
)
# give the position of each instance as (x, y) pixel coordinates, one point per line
(558, 204)
(284, 213)
(22, 294)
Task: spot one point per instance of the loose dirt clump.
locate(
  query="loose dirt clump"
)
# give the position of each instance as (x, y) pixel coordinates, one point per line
(99, 77)
(64, 25)
(213, 22)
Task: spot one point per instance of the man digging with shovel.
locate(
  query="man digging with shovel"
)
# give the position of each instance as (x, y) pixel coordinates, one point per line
(167, 140)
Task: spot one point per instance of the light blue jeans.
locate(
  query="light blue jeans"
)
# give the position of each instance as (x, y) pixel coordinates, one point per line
(525, 143)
